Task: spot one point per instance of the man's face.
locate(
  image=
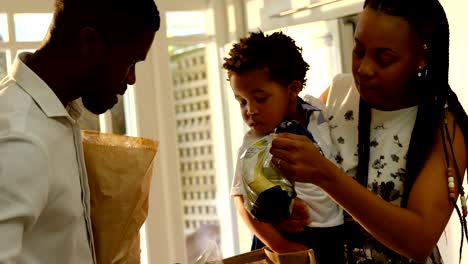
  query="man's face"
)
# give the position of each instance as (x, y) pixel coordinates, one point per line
(114, 73)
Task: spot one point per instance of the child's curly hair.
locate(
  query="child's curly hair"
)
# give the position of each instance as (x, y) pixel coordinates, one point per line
(277, 53)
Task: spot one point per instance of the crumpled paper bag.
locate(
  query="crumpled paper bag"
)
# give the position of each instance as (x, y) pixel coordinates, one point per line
(267, 256)
(119, 175)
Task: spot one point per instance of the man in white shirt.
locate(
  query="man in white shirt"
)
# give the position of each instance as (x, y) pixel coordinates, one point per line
(90, 52)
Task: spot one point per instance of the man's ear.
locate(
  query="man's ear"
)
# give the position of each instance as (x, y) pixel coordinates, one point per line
(294, 88)
(91, 45)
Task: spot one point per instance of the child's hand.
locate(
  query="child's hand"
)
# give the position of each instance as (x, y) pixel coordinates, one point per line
(298, 220)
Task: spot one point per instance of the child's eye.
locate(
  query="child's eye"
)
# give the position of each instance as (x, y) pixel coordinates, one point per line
(242, 102)
(261, 99)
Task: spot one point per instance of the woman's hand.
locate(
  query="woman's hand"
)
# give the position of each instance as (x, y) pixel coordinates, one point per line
(298, 158)
(298, 220)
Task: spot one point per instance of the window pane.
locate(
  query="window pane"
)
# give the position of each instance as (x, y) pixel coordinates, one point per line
(3, 64)
(185, 23)
(118, 117)
(26, 50)
(3, 28)
(31, 27)
(189, 71)
(319, 47)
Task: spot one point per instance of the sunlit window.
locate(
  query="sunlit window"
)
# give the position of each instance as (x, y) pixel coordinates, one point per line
(3, 63)
(31, 27)
(3, 28)
(185, 23)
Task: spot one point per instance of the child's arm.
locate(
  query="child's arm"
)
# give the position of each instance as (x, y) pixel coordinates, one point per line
(297, 221)
(266, 232)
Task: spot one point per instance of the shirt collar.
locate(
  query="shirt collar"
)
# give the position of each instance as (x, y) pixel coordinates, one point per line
(40, 92)
(308, 110)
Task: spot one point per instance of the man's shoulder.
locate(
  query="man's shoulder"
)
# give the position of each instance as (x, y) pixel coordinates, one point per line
(13, 98)
(18, 112)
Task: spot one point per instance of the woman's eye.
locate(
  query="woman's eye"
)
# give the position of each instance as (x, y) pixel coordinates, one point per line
(384, 61)
(358, 52)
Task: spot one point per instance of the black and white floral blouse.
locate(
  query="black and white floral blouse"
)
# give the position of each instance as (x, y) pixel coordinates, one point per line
(389, 140)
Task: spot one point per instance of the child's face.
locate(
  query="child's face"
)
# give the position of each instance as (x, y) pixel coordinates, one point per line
(264, 104)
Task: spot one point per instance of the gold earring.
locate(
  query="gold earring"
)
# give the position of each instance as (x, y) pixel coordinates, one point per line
(422, 72)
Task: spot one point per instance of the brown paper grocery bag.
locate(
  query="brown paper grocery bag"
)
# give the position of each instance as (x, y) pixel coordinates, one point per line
(119, 174)
(267, 256)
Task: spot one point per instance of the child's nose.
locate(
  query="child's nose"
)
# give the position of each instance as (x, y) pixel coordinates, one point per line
(252, 109)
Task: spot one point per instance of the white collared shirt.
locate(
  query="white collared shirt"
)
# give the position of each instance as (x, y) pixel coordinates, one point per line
(44, 193)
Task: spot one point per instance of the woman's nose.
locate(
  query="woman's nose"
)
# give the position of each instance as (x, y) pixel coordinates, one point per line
(366, 67)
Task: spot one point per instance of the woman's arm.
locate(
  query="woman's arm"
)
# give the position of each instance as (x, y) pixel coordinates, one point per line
(266, 232)
(412, 231)
(324, 96)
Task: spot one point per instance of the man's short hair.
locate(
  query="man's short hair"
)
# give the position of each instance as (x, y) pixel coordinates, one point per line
(113, 19)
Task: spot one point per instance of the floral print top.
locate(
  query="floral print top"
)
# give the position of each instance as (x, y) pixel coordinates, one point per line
(389, 141)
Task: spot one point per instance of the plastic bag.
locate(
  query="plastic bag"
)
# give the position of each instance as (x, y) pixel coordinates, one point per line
(119, 174)
(267, 256)
(211, 254)
(268, 195)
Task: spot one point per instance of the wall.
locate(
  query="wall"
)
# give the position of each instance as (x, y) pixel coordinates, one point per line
(457, 16)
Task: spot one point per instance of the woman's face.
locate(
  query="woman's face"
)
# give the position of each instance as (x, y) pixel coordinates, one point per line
(386, 56)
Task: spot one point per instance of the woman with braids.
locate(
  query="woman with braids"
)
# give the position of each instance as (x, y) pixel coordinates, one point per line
(400, 132)
(266, 73)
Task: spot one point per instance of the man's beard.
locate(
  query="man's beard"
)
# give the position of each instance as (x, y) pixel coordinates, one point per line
(96, 104)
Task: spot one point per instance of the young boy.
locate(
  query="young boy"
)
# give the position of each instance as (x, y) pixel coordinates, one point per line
(266, 73)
